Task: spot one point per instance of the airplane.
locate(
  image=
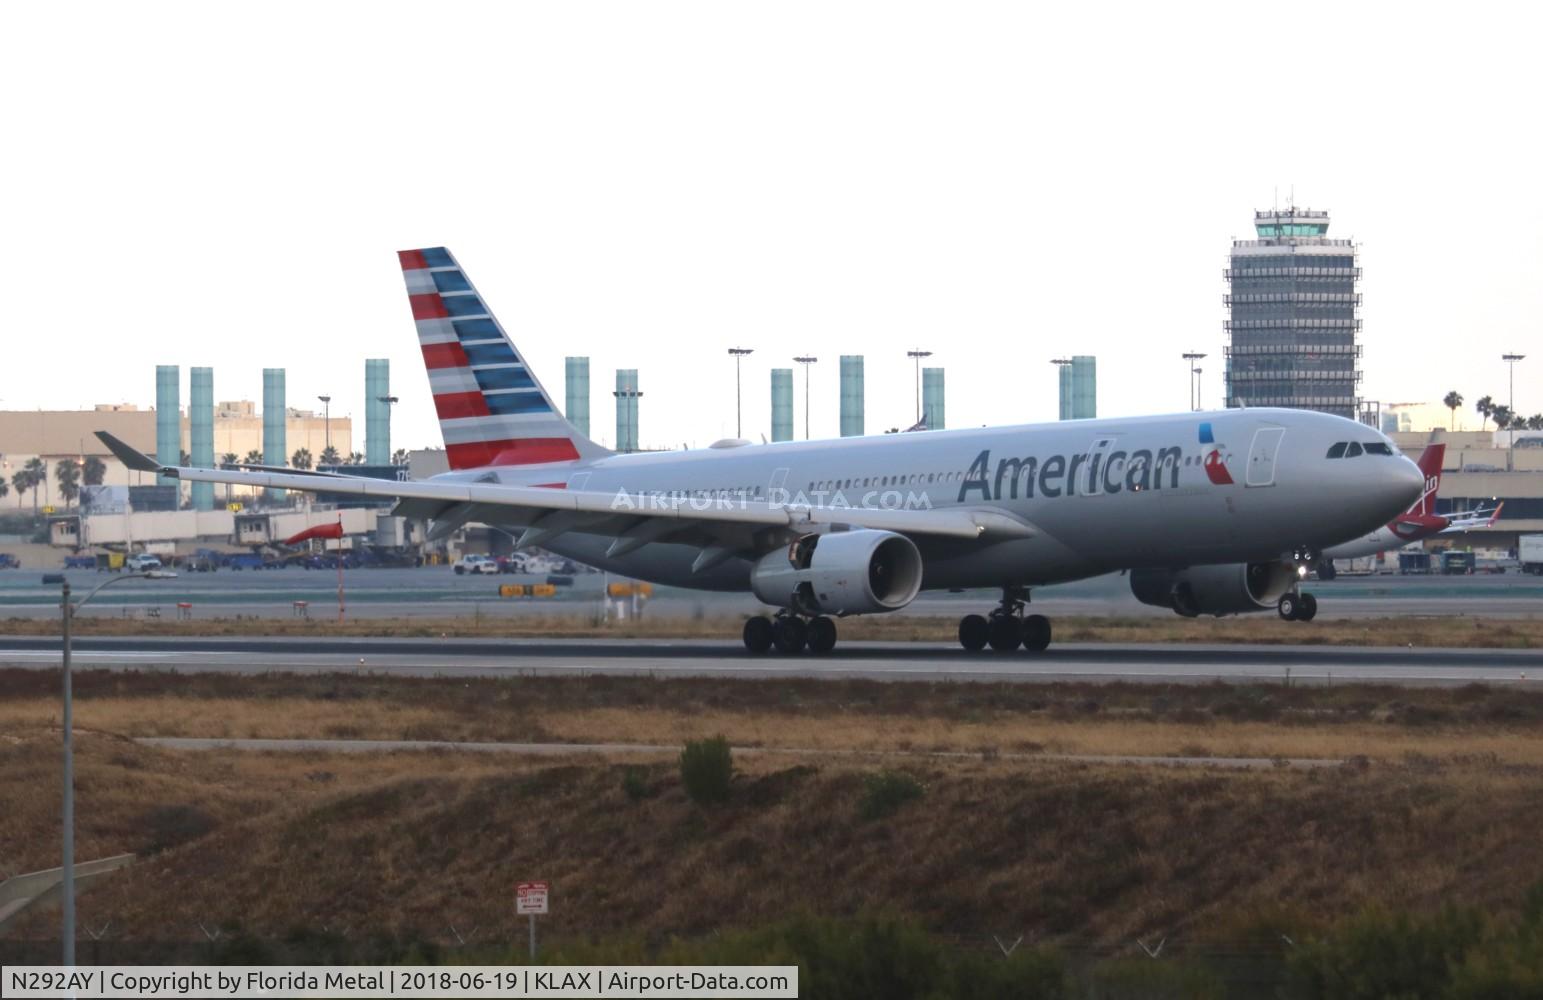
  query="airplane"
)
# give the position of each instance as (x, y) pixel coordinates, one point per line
(1418, 522)
(1210, 513)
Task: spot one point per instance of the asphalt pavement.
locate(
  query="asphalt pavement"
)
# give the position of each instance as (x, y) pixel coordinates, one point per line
(884, 661)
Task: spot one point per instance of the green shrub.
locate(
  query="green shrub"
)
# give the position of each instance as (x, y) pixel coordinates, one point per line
(706, 769)
(634, 782)
(887, 791)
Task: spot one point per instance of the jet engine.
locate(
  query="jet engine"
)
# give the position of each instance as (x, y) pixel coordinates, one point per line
(840, 573)
(1214, 590)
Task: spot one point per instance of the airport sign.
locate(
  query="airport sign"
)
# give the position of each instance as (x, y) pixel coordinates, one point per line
(530, 898)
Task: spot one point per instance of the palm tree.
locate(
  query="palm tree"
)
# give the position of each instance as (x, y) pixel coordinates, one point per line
(38, 470)
(399, 457)
(301, 459)
(1501, 414)
(329, 455)
(67, 475)
(1535, 422)
(94, 472)
(22, 482)
(228, 459)
(1486, 406)
(5, 489)
(1452, 401)
(356, 458)
(253, 457)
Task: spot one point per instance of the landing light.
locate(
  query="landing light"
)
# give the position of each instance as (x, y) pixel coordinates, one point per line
(1302, 572)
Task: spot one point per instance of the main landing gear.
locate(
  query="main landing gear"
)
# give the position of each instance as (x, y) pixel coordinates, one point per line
(790, 633)
(1296, 607)
(1007, 627)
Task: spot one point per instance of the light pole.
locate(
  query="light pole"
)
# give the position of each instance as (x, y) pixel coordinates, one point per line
(67, 888)
(1194, 378)
(1511, 360)
(326, 420)
(806, 361)
(739, 354)
(918, 355)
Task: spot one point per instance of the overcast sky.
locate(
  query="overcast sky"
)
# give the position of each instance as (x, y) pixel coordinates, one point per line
(650, 184)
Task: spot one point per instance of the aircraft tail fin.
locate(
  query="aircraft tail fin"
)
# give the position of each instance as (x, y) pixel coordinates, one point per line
(492, 410)
(1430, 464)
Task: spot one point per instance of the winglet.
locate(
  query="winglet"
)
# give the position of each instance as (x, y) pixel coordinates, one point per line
(131, 457)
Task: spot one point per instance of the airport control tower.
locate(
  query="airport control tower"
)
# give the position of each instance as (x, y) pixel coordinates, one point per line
(1293, 316)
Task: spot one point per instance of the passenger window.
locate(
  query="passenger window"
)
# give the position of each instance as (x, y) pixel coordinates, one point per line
(1353, 451)
(1338, 450)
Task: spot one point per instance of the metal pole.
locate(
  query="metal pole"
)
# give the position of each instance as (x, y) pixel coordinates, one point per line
(739, 432)
(532, 937)
(68, 886)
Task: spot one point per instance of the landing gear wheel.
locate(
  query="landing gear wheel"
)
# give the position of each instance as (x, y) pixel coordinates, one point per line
(974, 632)
(1289, 607)
(758, 634)
(822, 635)
(1036, 633)
(789, 634)
(1004, 632)
(1309, 608)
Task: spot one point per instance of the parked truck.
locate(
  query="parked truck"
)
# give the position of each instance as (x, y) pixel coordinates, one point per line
(1529, 552)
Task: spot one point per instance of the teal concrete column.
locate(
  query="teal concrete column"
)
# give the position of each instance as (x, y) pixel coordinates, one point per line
(201, 431)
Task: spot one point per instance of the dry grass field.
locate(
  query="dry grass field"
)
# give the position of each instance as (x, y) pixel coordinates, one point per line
(1443, 630)
(1439, 800)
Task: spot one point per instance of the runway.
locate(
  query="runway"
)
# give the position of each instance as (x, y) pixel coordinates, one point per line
(881, 661)
(436, 592)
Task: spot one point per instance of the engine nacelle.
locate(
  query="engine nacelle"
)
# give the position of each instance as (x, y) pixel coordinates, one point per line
(841, 573)
(1214, 590)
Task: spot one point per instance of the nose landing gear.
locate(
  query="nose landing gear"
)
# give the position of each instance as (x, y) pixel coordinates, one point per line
(1295, 607)
(1007, 627)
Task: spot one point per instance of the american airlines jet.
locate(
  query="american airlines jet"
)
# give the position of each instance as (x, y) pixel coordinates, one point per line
(1212, 513)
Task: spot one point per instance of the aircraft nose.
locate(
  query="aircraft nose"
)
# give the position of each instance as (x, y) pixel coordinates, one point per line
(1401, 486)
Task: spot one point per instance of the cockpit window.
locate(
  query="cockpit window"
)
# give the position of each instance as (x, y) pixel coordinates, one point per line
(1337, 450)
(1377, 448)
(1353, 450)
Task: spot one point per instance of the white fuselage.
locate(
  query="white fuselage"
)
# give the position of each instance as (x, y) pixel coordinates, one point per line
(1099, 495)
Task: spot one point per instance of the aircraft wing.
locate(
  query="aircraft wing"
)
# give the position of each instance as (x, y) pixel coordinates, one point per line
(1469, 519)
(475, 501)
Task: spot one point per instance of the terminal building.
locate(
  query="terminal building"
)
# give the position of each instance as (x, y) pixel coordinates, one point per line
(1293, 316)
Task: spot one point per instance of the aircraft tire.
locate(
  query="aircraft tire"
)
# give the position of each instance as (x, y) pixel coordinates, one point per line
(1036, 633)
(789, 634)
(1004, 632)
(822, 635)
(758, 634)
(974, 632)
(1289, 608)
(1309, 608)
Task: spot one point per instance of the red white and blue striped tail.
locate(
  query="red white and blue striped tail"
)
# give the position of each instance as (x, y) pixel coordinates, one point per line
(492, 411)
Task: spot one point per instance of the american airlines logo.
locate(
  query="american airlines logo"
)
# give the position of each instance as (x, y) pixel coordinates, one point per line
(1083, 474)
